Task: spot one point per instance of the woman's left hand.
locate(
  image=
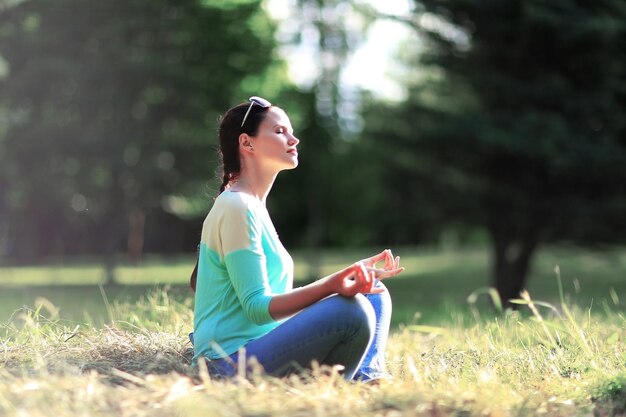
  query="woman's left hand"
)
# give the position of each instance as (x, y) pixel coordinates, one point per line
(390, 269)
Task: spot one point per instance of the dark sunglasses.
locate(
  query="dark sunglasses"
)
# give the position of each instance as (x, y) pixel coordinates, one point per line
(256, 100)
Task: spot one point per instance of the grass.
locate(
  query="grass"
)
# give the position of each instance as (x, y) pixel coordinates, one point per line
(74, 352)
(509, 365)
(434, 282)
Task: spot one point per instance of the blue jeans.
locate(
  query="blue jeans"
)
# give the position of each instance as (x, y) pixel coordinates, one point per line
(338, 330)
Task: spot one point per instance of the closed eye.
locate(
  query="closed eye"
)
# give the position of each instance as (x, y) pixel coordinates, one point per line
(281, 130)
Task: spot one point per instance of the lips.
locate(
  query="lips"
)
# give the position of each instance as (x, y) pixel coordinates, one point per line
(293, 151)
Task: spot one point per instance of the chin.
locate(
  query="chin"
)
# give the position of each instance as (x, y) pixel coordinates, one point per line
(286, 164)
(290, 166)
(293, 163)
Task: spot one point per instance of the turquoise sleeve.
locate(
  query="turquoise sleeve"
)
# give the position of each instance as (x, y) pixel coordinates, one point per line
(246, 263)
(248, 275)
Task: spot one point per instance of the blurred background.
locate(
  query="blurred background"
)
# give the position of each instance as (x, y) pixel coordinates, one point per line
(484, 141)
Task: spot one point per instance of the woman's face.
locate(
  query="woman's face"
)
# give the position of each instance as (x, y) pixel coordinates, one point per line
(275, 143)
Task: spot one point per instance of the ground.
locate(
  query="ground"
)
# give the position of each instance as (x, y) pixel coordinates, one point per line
(557, 355)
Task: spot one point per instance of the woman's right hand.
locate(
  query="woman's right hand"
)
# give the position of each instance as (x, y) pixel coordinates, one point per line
(351, 280)
(348, 282)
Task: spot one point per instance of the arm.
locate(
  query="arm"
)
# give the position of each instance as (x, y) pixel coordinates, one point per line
(348, 282)
(357, 278)
(241, 236)
(284, 305)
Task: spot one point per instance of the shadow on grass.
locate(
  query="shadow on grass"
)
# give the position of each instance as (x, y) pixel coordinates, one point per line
(119, 356)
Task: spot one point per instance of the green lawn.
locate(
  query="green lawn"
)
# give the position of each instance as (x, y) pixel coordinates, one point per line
(445, 361)
(433, 290)
(138, 365)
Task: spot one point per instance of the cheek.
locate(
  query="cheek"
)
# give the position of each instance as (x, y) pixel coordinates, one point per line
(276, 143)
(263, 147)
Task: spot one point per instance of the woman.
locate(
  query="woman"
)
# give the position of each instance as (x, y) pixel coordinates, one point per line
(244, 300)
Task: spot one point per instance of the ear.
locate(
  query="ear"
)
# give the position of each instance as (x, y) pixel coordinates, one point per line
(245, 143)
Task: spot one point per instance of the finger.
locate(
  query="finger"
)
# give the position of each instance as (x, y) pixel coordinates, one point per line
(380, 256)
(348, 268)
(363, 271)
(376, 272)
(363, 285)
(396, 264)
(373, 260)
(345, 273)
(389, 261)
(390, 273)
(350, 284)
(360, 273)
(384, 272)
(369, 281)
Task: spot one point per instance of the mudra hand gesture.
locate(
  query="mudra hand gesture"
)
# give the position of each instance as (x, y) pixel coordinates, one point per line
(390, 269)
(361, 276)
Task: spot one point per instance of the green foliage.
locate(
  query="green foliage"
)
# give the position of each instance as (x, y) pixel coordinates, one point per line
(110, 107)
(611, 396)
(519, 129)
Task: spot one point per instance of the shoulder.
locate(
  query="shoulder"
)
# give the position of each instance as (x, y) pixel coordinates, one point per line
(235, 207)
(230, 201)
(234, 221)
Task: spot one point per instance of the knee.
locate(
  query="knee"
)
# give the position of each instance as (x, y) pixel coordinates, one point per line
(381, 301)
(384, 296)
(359, 310)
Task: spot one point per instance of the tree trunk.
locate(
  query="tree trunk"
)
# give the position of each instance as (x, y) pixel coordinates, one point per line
(511, 261)
(136, 229)
(110, 255)
(112, 229)
(109, 270)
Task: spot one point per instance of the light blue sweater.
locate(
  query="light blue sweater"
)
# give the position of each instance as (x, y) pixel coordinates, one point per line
(242, 264)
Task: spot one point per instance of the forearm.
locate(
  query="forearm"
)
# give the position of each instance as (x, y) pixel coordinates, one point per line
(347, 282)
(285, 305)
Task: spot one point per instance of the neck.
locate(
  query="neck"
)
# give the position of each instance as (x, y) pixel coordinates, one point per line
(255, 181)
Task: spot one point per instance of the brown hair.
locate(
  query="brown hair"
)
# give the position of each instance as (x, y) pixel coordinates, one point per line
(228, 133)
(230, 162)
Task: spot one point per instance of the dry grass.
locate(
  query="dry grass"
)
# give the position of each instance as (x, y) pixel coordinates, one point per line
(557, 362)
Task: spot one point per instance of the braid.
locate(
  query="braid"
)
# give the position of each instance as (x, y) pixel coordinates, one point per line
(230, 164)
(225, 182)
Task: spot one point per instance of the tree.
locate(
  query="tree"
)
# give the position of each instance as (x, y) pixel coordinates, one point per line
(108, 107)
(519, 125)
(321, 214)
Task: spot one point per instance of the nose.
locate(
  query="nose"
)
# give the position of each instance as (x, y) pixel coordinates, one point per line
(293, 140)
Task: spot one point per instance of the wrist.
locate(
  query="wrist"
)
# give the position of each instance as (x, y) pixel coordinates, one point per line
(327, 285)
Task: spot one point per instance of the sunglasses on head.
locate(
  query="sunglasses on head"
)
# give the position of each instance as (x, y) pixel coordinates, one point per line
(258, 101)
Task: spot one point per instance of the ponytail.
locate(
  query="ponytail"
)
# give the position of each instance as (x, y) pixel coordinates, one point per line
(194, 276)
